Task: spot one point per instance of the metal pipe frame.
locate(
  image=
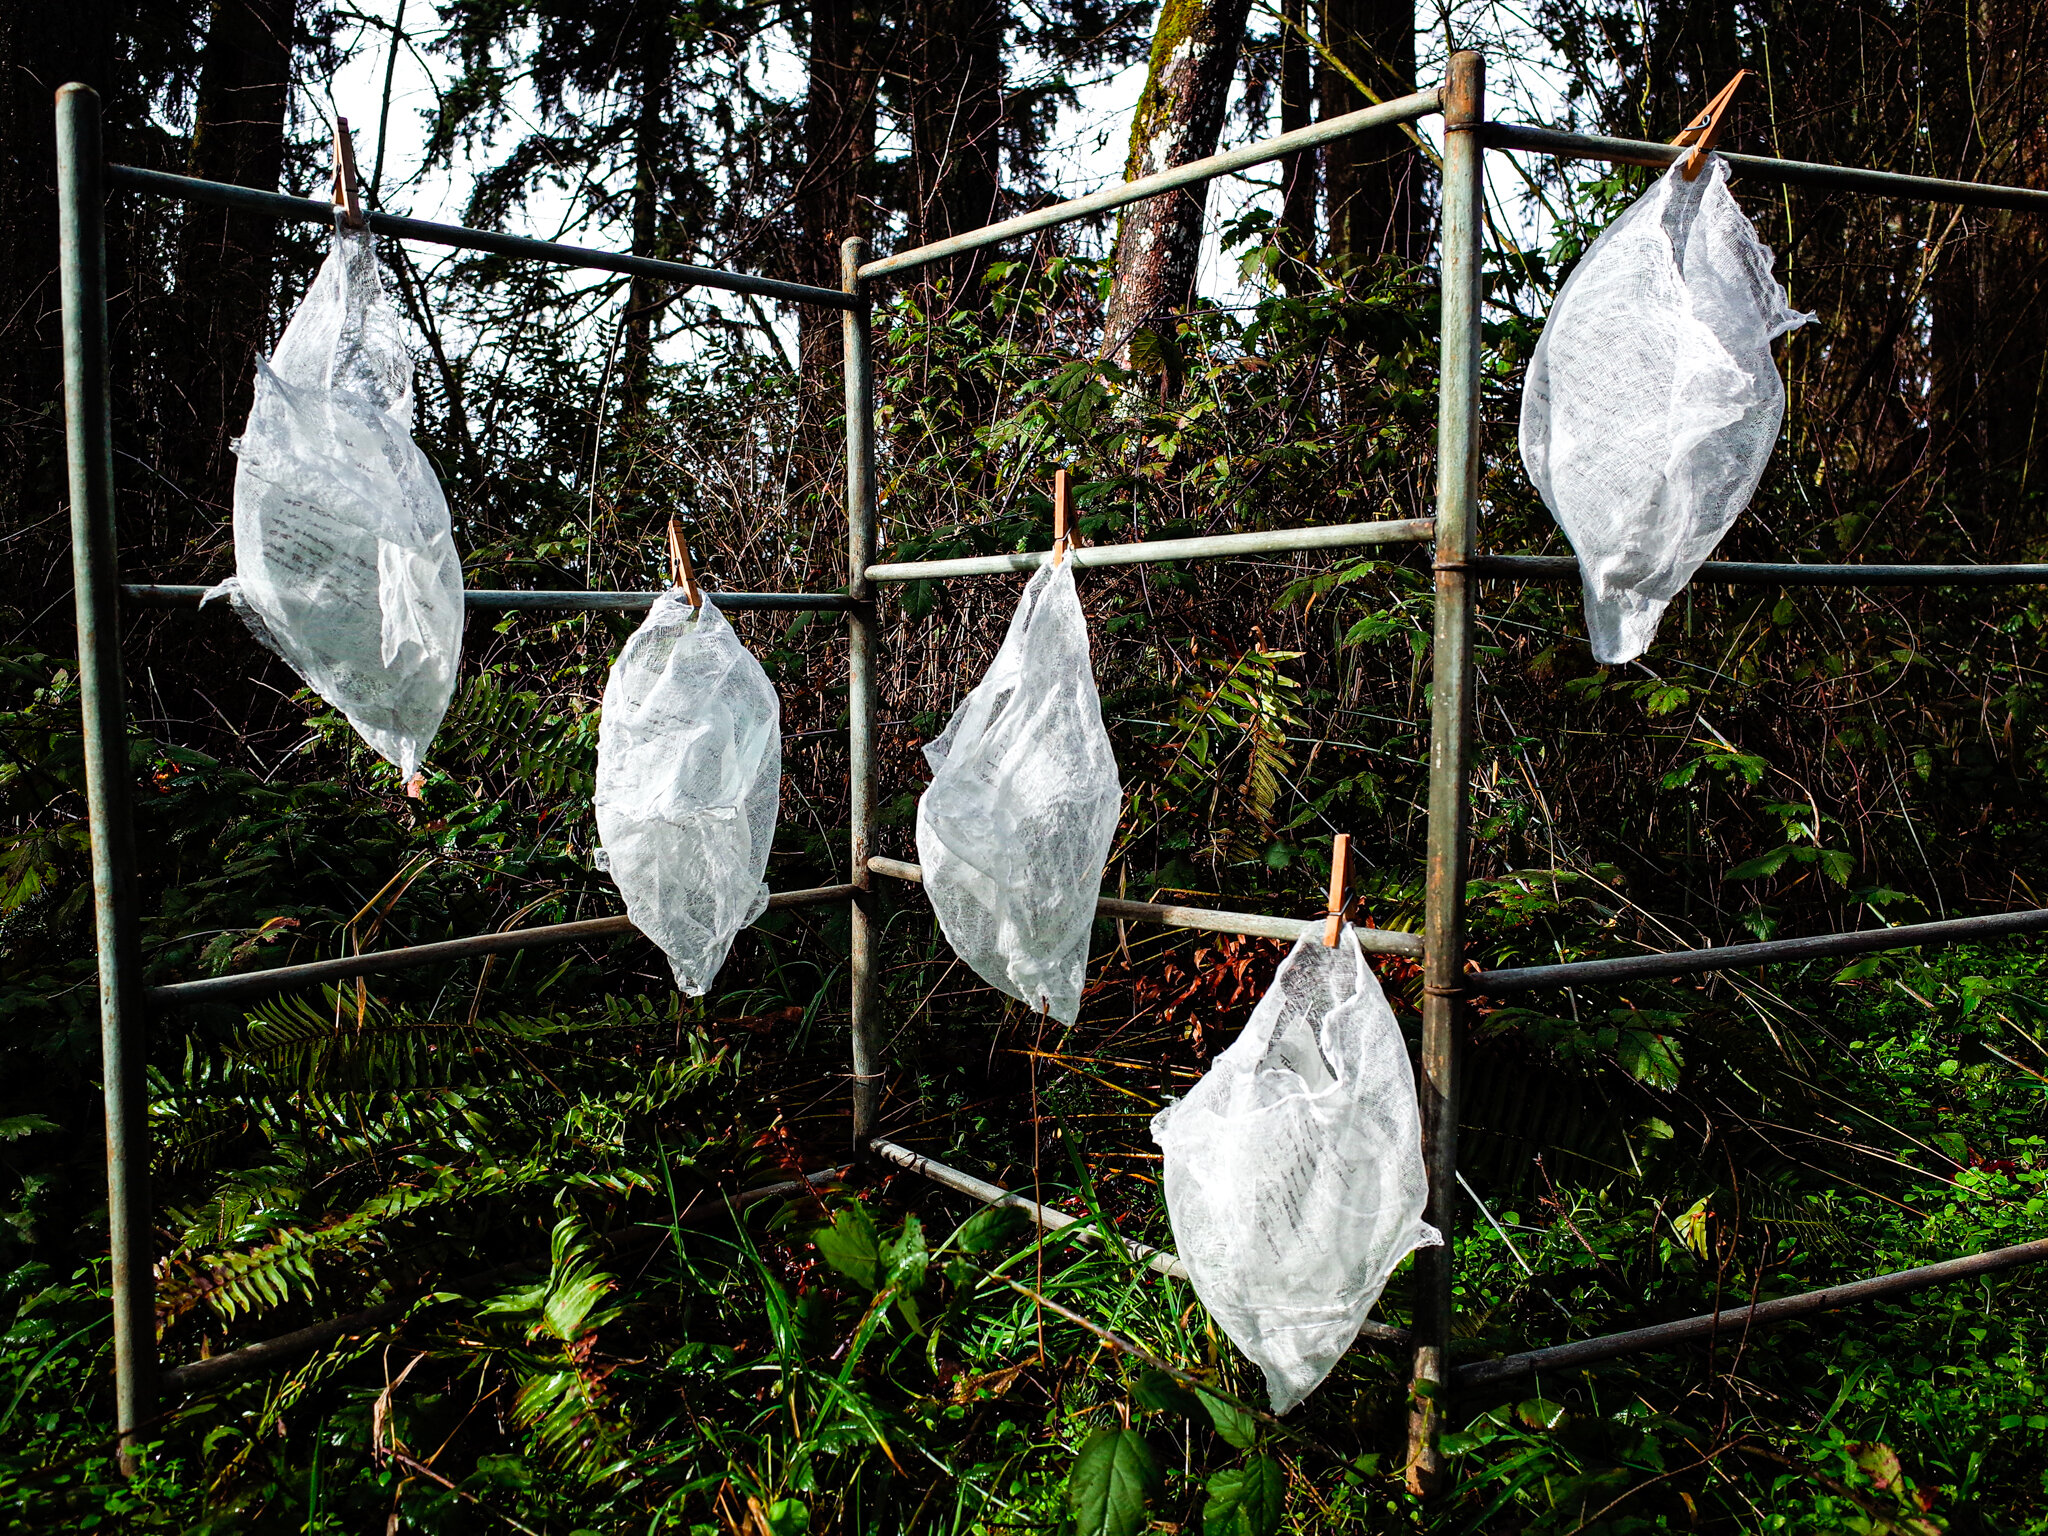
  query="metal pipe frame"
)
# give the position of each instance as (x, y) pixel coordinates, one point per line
(95, 567)
(1780, 574)
(494, 600)
(311, 210)
(1415, 530)
(861, 656)
(247, 984)
(1376, 941)
(1794, 173)
(1461, 262)
(1744, 957)
(1481, 1374)
(82, 180)
(1403, 109)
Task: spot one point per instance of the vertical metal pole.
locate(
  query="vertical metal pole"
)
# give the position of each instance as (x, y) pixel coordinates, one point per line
(95, 574)
(1457, 497)
(860, 689)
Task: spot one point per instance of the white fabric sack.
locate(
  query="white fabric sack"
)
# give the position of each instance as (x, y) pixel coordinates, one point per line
(1017, 821)
(1293, 1169)
(689, 776)
(345, 564)
(1652, 401)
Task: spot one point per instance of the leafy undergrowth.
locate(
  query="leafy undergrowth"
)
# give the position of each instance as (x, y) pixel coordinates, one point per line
(885, 1356)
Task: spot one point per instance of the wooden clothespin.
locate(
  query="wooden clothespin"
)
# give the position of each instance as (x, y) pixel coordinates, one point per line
(1340, 888)
(1705, 130)
(679, 570)
(1062, 515)
(345, 176)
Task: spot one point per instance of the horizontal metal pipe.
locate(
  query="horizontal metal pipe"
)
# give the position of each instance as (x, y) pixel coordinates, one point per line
(1051, 1220)
(1487, 1373)
(268, 1353)
(1756, 573)
(1797, 173)
(1378, 941)
(1737, 957)
(218, 989)
(994, 1194)
(1403, 109)
(494, 600)
(313, 210)
(1416, 530)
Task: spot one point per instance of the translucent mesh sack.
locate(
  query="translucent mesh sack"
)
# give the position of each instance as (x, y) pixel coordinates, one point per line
(1652, 401)
(689, 773)
(1017, 821)
(345, 564)
(1293, 1169)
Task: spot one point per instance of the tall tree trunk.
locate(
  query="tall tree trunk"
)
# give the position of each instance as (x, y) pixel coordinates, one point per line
(225, 257)
(653, 78)
(1179, 115)
(1988, 405)
(1371, 182)
(42, 46)
(1298, 170)
(955, 67)
(839, 146)
(2011, 251)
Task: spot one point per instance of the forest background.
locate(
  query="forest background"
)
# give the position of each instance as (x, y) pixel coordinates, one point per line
(538, 1154)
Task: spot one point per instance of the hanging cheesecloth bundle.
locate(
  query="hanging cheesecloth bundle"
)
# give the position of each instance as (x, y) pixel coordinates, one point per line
(689, 775)
(1652, 401)
(1293, 1169)
(345, 564)
(1017, 821)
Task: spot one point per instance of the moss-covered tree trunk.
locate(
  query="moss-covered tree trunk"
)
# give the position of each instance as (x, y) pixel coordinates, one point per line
(1180, 114)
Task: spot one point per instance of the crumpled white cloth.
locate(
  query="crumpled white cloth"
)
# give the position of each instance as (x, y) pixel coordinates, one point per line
(345, 562)
(689, 781)
(1652, 401)
(1293, 1170)
(1016, 825)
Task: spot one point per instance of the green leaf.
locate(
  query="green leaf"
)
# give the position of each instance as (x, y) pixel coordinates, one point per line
(1763, 864)
(1539, 1412)
(1650, 1058)
(991, 1229)
(852, 1246)
(904, 1260)
(1246, 1500)
(1837, 865)
(788, 1517)
(1231, 1421)
(1112, 1484)
(1668, 699)
(1156, 1392)
(14, 1127)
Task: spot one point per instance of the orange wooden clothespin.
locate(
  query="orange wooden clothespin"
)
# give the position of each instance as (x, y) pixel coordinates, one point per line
(1062, 515)
(345, 176)
(680, 573)
(1705, 130)
(1340, 888)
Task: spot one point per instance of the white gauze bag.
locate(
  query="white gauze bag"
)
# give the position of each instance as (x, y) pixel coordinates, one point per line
(1017, 821)
(345, 564)
(1293, 1169)
(689, 776)
(1652, 400)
